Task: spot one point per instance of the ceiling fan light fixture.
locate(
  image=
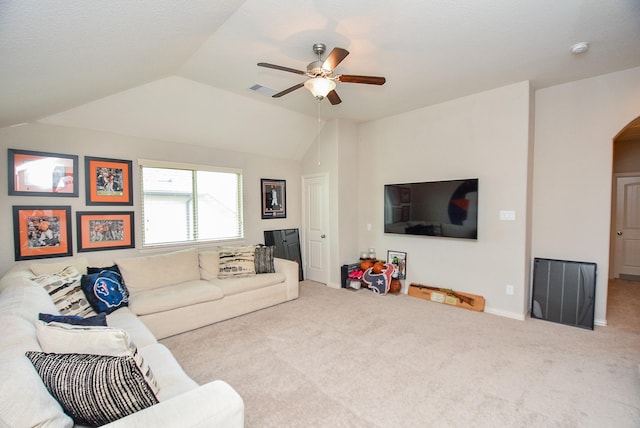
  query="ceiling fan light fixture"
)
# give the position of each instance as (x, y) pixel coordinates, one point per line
(320, 86)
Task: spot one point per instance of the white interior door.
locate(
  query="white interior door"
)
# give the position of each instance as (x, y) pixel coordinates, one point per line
(627, 247)
(316, 220)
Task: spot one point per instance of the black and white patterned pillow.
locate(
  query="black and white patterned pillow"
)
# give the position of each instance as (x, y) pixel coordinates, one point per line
(264, 259)
(94, 389)
(237, 262)
(65, 291)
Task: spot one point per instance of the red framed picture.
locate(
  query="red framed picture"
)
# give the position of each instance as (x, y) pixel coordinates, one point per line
(108, 181)
(40, 232)
(42, 174)
(97, 231)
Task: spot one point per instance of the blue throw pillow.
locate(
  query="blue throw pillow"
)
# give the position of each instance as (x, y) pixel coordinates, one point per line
(104, 291)
(114, 268)
(96, 320)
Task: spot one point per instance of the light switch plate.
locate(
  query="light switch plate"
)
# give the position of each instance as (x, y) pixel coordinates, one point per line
(506, 215)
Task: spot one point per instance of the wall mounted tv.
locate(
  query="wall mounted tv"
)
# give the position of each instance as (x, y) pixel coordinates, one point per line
(434, 208)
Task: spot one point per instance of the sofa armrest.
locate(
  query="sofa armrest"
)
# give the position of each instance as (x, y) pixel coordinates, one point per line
(213, 404)
(290, 270)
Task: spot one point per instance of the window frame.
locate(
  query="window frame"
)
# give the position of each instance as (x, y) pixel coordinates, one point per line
(194, 169)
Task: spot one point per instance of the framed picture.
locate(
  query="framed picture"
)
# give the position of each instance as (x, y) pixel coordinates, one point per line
(399, 259)
(40, 232)
(274, 198)
(111, 230)
(108, 181)
(42, 174)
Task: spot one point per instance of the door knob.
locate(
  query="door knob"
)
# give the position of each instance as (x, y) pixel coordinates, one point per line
(619, 233)
(323, 236)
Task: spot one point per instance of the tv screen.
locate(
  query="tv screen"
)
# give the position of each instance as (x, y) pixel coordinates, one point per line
(434, 208)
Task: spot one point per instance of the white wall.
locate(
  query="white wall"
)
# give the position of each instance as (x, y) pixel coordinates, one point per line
(575, 126)
(57, 139)
(487, 136)
(335, 153)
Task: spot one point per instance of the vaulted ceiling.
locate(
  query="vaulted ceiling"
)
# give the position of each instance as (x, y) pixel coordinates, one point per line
(182, 70)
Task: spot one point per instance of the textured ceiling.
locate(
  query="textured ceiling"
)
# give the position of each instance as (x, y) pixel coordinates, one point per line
(180, 71)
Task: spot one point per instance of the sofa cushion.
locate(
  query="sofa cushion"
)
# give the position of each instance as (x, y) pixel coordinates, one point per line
(139, 333)
(105, 290)
(231, 286)
(209, 264)
(175, 296)
(26, 302)
(96, 320)
(66, 339)
(150, 272)
(25, 401)
(45, 268)
(264, 259)
(65, 291)
(94, 389)
(237, 262)
(171, 378)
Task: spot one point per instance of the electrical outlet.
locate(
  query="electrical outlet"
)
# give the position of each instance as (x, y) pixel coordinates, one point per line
(509, 290)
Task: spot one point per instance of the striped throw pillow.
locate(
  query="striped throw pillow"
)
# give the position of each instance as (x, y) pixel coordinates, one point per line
(93, 389)
(264, 259)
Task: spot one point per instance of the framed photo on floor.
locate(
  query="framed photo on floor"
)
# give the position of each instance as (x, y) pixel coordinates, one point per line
(399, 259)
(41, 232)
(98, 231)
(108, 181)
(42, 174)
(274, 198)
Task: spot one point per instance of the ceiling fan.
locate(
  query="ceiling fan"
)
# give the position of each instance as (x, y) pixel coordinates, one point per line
(322, 82)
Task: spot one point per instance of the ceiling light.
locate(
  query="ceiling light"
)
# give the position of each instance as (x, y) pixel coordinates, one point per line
(579, 48)
(320, 86)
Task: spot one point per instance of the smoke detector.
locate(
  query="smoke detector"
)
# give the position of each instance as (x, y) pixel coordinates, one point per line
(579, 48)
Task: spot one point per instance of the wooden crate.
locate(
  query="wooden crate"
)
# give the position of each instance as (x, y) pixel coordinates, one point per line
(474, 303)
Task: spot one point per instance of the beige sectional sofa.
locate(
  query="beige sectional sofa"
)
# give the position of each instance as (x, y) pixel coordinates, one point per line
(180, 291)
(169, 293)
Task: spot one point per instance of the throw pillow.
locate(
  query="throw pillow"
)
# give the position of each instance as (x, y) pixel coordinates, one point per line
(237, 262)
(65, 291)
(114, 268)
(105, 291)
(65, 338)
(264, 259)
(93, 389)
(97, 320)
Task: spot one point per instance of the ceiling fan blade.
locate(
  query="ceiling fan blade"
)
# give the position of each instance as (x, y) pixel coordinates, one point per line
(335, 57)
(279, 67)
(333, 97)
(286, 91)
(369, 80)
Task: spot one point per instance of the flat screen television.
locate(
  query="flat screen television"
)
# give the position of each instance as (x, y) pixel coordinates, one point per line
(433, 208)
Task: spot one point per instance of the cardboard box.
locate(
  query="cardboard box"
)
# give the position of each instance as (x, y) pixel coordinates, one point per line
(459, 299)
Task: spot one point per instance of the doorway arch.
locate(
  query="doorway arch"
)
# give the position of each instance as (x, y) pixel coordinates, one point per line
(626, 170)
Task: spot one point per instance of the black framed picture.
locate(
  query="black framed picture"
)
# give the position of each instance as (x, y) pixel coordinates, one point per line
(274, 198)
(104, 230)
(42, 174)
(108, 181)
(41, 231)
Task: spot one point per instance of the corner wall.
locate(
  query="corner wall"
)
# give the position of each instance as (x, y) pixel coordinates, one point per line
(575, 126)
(485, 135)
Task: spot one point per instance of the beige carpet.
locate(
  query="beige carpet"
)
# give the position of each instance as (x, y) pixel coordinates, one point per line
(339, 358)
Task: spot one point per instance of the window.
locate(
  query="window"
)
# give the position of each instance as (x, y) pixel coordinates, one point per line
(189, 203)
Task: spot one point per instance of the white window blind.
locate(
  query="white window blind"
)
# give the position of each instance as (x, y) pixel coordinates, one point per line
(185, 203)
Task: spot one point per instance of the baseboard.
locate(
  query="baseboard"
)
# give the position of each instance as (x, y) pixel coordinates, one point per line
(506, 314)
(600, 323)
